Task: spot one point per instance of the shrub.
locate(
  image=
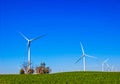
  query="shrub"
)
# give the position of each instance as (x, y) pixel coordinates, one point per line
(30, 71)
(22, 71)
(42, 69)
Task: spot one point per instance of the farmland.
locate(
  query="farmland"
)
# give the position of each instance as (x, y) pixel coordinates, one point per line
(64, 78)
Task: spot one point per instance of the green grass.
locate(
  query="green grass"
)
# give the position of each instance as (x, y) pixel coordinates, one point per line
(64, 78)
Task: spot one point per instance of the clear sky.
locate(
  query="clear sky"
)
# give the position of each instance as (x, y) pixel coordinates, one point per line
(96, 23)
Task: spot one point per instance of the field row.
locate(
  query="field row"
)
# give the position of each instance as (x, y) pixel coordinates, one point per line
(64, 78)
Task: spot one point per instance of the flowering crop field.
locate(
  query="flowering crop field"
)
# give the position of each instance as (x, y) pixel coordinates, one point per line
(63, 78)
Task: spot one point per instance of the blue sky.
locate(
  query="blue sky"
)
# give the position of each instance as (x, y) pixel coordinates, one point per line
(95, 23)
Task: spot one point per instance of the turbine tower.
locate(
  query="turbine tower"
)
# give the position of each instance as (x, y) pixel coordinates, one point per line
(84, 57)
(103, 63)
(112, 68)
(28, 46)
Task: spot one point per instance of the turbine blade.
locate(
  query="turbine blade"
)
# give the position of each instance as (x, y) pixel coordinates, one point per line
(23, 36)
(82, 48)
(38, 37)
(79, 59)
(91, 56)
(108, 65)
(106, 60)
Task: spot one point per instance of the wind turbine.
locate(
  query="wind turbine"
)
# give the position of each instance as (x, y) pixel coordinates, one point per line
(108, 67)
(103, 64)
(84, 57)
(28, 45)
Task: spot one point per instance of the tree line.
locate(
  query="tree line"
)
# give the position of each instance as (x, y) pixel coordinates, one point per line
(41, 69)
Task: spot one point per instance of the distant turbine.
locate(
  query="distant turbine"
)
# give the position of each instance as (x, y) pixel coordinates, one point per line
(103, 63)
(28, 45)
(108, 67)
(84, 57)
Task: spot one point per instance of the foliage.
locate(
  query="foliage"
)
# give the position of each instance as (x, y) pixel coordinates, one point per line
(22, 71)
(42, 69)
(30, 71)
(64, 78)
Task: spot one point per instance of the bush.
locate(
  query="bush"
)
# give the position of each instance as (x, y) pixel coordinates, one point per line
(42, 69)
(30, 71)
(22, 71)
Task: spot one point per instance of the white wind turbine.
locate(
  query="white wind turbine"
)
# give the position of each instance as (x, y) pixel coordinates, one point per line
(103, 63)
(28, 45)
(84, 57)
(108, 67)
